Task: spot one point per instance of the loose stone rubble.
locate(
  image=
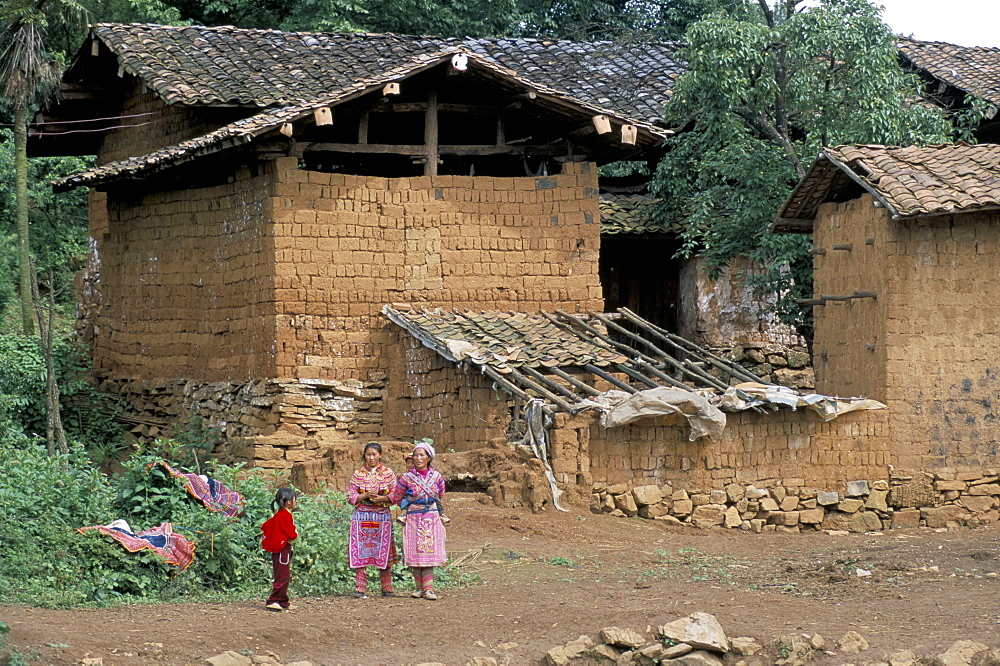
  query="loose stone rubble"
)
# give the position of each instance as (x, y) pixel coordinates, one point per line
(699, 640)
(941, 499)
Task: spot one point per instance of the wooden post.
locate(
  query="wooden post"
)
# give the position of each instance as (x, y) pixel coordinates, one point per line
(501, 138)
(431, 134)
(363, 128)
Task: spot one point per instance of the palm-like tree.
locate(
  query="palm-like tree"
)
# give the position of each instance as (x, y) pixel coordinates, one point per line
(27, 77)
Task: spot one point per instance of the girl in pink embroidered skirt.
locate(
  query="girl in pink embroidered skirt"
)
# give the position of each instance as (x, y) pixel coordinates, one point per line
(418, 491)
(370, 542)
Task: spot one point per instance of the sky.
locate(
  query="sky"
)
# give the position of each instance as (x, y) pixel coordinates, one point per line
(962, 22)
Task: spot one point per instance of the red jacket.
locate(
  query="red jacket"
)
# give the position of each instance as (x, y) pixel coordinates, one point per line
(278, 531)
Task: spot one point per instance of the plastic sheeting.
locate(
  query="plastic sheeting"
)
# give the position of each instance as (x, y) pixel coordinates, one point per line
(705, 411)
(619, 408)
(764, 394)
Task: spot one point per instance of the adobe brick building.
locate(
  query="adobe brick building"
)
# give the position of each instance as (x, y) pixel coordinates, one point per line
(907, 248)
(377, 237)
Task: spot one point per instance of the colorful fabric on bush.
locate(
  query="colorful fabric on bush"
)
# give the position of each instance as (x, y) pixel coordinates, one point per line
(162, 540)
(214, 495)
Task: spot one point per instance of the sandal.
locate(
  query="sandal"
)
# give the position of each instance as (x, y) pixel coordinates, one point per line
(360, 595)
(416, 594)
(429, 595)
(388, 593)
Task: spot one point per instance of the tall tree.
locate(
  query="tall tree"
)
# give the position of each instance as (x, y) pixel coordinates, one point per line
(27, 76)
(768, 85)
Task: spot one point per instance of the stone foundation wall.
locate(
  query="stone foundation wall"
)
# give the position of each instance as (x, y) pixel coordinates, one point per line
(266, 423)
(943, 499)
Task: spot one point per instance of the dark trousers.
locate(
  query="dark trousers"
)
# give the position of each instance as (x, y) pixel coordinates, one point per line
(282, 565)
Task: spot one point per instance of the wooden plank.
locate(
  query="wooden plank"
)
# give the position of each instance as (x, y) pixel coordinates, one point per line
(602, 124)
(323, 116)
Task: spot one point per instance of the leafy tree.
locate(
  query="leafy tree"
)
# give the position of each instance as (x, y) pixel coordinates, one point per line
(768, 87)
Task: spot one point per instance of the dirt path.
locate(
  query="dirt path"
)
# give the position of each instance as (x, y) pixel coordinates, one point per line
(545, 579)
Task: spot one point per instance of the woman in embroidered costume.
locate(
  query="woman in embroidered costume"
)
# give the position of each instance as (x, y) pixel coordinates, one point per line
(371, 542)
(418, 490)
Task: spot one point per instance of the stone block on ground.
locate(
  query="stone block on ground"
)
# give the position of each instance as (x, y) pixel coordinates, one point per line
(745, 646)
(864, 521)
(732, 518)
(625, 638)
(852, 643)
(904, 518)
(708, 515)
(626, 504)
(961, 653)
(602, 651)
(903, 658)
(556, 657)
(577, 648)
(229, 658)
(942, 515)
(696, 658)
(646, 495)
(699, 630)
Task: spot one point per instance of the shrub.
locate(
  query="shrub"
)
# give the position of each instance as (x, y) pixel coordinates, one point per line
(45, 562)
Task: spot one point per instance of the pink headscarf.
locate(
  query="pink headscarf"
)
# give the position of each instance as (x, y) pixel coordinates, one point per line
(426, 447)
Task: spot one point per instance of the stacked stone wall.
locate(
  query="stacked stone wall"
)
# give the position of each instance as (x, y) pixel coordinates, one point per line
(943, 499)
(267, 423)
(928, 344)
(186, 282)
(346, 245)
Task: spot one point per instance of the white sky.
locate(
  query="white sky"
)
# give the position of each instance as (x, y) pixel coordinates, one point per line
(962, 22)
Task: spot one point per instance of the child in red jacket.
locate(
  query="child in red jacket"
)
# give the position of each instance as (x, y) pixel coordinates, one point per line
(279, 532)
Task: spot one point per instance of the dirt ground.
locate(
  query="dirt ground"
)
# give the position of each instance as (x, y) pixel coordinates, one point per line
(540, 580)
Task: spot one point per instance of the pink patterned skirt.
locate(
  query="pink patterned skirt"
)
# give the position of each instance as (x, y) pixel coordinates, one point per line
(370, 542)
(424, 540)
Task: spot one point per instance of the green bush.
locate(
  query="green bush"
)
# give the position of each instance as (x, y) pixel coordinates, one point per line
(87, 414)
(45, 562)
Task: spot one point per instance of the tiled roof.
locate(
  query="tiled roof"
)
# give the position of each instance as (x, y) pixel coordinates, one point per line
(206, 65)
(623, 214)
(245, 130)
(971, 69)
(544, 354)
(912, 181)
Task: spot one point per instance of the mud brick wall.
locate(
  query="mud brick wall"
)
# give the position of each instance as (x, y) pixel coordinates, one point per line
(187, 284)
(928, 346)
(755, 448)
(432, 397)
(346, 245)
(154, 124)
(850, 346)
